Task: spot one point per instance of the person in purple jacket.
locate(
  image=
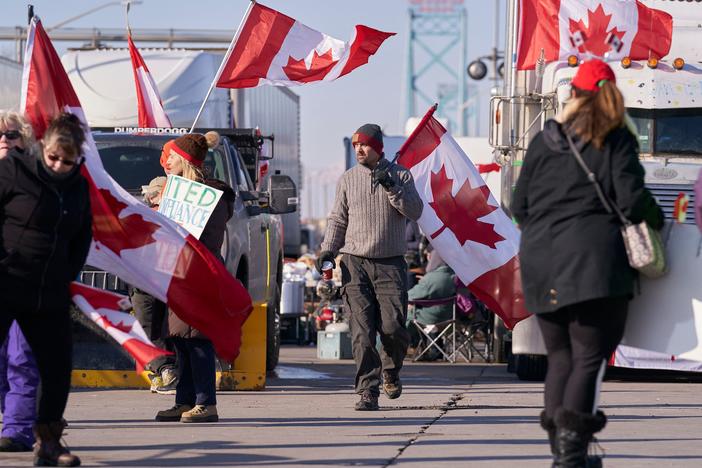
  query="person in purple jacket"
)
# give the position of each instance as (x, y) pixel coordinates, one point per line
(19, 377)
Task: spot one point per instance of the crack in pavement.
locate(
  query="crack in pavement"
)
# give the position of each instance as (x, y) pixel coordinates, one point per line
(452, 404)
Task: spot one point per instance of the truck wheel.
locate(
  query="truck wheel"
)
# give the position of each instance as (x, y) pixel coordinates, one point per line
(273, 330)
(531, 367)
(499, 332)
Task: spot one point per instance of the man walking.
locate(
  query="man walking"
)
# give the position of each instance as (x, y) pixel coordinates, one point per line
(367, 225)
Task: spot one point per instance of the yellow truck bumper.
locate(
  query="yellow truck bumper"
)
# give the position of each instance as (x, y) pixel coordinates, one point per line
(248, 371)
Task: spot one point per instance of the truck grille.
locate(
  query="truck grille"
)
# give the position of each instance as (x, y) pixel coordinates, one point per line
(102, 280)
(666, 194)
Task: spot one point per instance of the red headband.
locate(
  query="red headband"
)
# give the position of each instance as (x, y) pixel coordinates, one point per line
(184, 154)
(368, 140)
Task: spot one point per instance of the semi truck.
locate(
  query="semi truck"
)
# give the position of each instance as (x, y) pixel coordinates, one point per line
(103, 82)
(663, 97)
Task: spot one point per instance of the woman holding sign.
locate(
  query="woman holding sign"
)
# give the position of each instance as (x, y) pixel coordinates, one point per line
(195, 391)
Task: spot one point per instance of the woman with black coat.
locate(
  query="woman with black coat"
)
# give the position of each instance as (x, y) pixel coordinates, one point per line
(46, 229)
(575, 272)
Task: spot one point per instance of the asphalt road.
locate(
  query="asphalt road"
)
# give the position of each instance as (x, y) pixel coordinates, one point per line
(449, 415)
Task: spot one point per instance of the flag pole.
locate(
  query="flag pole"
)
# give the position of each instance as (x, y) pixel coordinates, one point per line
(126, 17)
(224, 61)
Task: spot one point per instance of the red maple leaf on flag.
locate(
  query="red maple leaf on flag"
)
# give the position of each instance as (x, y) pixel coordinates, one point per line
(297, 70)
(115, 233)
(461, 213)
(595, 40)
(121, 326)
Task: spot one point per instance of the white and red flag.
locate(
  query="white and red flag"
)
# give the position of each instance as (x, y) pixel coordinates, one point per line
(594, 27)
(463, 221)
(149, 104)
(136, 243)
(110, 312)
(272, 48)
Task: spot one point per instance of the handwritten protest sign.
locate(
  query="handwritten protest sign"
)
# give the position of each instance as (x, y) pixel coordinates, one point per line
(189, 203)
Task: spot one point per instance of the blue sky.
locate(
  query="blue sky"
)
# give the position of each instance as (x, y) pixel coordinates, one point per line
(330, 111)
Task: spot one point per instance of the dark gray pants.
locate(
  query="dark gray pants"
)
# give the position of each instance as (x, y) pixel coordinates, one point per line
(153, 317)
(375, 294)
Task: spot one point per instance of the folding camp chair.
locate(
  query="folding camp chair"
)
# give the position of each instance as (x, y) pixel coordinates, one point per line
(446, 330)
(466, 331)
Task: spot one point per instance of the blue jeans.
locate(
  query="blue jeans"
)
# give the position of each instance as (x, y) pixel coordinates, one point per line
(196, 371)
(19, 379)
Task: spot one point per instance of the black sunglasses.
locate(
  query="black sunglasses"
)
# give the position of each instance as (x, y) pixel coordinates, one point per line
(11, 134)
(65, 162)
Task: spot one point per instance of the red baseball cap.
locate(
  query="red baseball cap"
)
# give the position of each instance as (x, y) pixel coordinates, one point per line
(590, 75)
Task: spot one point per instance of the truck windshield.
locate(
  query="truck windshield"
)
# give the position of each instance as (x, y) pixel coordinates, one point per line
(135, 165)
(669, 131)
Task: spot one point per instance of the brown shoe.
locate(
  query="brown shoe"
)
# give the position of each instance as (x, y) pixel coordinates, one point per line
(368, 402)
(48, 450)
(392, 385)
(173, 414)
(200, 414)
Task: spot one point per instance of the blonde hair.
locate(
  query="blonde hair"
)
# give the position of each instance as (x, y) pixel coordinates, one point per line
(190, 170)
(15, 119)
(592, 115)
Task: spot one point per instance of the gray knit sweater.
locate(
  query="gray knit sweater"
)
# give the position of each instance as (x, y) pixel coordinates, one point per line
(369, 221)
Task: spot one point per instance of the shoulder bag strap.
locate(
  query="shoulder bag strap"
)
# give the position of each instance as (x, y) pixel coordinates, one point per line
(606, 201)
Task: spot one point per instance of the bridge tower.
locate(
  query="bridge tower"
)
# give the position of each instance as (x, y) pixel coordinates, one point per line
(435, 63)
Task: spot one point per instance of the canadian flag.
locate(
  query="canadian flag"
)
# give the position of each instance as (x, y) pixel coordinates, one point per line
(272, 48)
(463, 221)
(109, 311)
(149, 105)
(136, 243)
(591, 27)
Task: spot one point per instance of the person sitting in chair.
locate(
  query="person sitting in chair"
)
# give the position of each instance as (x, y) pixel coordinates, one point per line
(437, 283)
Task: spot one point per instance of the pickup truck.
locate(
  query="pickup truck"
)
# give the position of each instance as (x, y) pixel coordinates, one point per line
(253, 246)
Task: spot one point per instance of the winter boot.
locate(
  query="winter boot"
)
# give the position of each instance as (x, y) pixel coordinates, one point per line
(548, 425)
(48, 450)
(574, 432)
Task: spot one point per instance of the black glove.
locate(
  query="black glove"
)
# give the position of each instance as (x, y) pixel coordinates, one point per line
(381, 176)
(325, 256)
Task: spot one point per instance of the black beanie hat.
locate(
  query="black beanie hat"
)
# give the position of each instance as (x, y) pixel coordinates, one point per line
(370, 134)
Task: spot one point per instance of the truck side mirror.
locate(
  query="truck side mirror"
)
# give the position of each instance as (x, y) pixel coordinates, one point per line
(283, 194)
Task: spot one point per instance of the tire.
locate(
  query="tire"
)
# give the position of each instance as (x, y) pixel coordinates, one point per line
(530, 367)
(273, 330)
(499, 343)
